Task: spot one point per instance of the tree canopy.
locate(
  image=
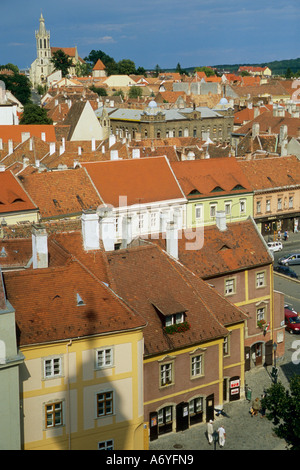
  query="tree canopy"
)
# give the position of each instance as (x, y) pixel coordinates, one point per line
(283, 409)
(18, 84)
(34, 114)
(61, 61)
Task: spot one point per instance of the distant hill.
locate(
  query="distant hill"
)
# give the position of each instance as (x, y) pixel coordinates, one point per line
(278, 67)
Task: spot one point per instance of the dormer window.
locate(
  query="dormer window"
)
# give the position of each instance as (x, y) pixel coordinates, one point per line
(174, 319)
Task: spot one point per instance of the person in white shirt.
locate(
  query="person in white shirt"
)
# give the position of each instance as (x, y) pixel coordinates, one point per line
(222, 436)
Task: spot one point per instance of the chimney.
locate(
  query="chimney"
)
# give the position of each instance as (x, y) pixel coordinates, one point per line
(283, 133)
(136, 153)
(93, 144)
(172, 239)
(112, 140)
(107, 231)
(43, 136)
(114, 154)
(39, 246)
(25, 136)
(126, 231)
(10, 147)
(52, 148)
(90, 230)
(255, 130)
(221, 221)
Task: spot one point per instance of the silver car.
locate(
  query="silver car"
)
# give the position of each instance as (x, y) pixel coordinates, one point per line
(292, 258)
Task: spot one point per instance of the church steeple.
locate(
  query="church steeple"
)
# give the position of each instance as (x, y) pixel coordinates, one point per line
(43, 40)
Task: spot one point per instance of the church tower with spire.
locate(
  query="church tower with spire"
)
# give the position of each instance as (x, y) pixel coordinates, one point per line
(42, 65)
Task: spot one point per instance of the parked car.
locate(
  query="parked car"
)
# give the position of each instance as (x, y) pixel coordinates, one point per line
(292, 320)
(286, 271)
(292, 258)
(274, 246)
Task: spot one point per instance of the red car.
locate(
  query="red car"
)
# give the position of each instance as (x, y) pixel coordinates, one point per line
(292, 320)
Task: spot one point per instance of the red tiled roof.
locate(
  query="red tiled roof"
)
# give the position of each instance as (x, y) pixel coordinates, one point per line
(13, 197)
(99, 65)
(14, 133)
(268, 173)
(166, 281)
(62, 193)
(205, 176)
(140, 180)
(216, 253)
(46, 309)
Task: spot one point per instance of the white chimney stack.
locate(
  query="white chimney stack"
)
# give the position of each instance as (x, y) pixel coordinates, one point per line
(221, 220)
(126, 231)
(112, 140)
(135, 153)
(172, 239)
(107, 232)
(39, 247)
(90, 230)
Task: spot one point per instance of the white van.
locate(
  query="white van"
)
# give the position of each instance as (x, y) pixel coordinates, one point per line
(274, 246)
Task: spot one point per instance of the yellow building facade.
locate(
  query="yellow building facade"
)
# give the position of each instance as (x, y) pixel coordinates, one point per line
(84, 394)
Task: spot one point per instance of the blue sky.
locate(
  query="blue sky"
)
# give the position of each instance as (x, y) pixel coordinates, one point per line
(163, 32)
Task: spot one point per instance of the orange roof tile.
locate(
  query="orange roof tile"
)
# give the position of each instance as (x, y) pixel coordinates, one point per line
(14, 133)
(46, 308)
(205, 176)
(268, 173)
(13, 197)
(141, 180)
(62, 193)
(99, 65)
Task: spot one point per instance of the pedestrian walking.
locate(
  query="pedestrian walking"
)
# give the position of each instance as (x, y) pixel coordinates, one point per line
(286, 235)
(222, 435)
(255, 407)
(210, 431)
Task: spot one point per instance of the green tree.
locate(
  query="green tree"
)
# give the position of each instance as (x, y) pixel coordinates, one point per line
(34, 114)
(126, 67)
(19, 85)
(61, 61)
(111, 67)
(83, 69)
(283, 409)
(99, 90)
(135, 92)
(119, 93)
(207, 70)
(10, 66)
(288, 73)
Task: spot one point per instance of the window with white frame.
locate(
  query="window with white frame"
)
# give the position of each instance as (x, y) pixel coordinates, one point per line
(226, 346)
(165, 416)
(242, 206)
(279, 203)
(258, 207)
(54, 414)
(199, 211)
(260, 313)
(52, 367)
(197, 365)
(227, 208)
(141, 221)
(196, 406)
(105, 403)
(106, 445)
(153, 219)
(230, 286)
(261, 279)
(166, 374)
(104, 358)
(268, 205)
(291, 202)
(212, 210)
